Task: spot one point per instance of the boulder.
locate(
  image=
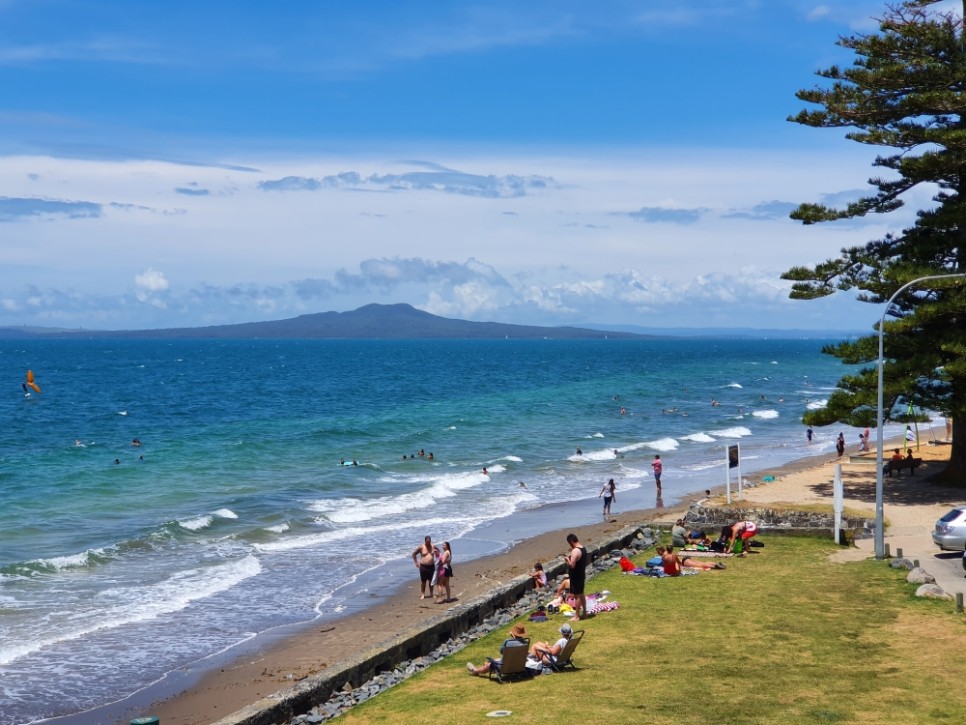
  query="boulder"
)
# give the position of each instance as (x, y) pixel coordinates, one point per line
(920, 576)
(933, 591)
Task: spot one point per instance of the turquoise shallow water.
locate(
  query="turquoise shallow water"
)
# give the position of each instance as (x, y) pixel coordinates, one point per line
(234, 516)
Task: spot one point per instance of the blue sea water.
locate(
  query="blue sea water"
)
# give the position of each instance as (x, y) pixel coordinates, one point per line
(234, 516)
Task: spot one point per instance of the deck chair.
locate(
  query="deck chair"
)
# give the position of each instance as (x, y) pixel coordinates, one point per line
(513, 660)
(566, 657)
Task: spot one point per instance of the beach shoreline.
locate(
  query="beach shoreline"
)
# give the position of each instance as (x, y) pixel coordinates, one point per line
(283, 657)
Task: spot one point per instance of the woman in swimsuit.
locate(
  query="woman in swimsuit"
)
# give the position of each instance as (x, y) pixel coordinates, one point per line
(445, 565)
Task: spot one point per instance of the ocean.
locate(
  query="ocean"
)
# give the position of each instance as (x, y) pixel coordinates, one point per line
(120, 563)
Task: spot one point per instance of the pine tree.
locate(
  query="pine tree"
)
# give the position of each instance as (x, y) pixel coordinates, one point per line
(906, 91)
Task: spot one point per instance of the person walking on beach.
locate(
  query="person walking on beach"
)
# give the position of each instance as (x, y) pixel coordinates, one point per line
(444, 573)
(808, 434)
(840, 445)
(609, 492)
(577, 564)
(423, 559)
(658, 470)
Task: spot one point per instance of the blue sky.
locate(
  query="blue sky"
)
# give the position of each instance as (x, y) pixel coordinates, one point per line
(184, 163)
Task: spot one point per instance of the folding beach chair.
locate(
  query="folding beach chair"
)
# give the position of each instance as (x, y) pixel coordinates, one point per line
(512, 662)
(566, 657)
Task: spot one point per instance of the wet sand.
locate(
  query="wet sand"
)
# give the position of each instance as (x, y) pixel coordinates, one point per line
(292, 656)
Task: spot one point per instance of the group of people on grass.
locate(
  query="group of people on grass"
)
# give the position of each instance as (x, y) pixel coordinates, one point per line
(734, 539)
(542, 653)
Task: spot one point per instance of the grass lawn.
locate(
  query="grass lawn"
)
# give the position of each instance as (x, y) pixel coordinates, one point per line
(782, 636)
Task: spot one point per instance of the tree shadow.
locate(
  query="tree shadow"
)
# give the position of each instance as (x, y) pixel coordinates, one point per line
(920, 488)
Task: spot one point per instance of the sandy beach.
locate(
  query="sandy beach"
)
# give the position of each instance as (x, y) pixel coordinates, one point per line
(912, 505)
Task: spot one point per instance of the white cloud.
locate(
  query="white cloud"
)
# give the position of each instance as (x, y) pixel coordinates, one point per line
(151, 280)
(818, 13)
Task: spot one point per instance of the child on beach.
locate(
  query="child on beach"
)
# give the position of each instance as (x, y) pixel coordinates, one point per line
(609, 492)
(539, 576)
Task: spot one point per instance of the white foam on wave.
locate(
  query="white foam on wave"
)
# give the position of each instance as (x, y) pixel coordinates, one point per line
(733, 385)
(116, 607)
(349, 532)
(69, 561)
(356, 510)
(606, 454)
(597, 435)
(197, 523)
(278, 528)
(663, 444)
(698, 438)
(816, 404)
(737, 432)
(765, 414)
(495, 468)
(122, 412)
(513, 459)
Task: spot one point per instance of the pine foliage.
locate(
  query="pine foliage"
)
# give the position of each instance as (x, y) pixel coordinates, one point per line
(905, 92)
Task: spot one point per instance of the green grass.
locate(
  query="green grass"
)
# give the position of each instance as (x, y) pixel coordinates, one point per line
(782, 636)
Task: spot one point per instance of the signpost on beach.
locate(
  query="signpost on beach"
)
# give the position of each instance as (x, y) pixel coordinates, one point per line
(733, 460)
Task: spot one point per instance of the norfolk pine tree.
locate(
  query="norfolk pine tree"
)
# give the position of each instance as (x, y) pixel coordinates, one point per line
(906, 91)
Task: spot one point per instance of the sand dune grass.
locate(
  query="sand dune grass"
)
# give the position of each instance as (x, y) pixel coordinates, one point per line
(782, 636)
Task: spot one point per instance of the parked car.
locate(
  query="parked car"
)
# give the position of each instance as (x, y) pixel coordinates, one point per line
(950, 531)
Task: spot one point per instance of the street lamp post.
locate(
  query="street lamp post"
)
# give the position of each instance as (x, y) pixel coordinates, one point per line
(879, 518)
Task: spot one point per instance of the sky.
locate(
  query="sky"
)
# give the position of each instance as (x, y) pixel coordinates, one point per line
(548, 162)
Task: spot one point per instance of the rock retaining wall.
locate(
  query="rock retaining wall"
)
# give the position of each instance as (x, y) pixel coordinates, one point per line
(773, 520)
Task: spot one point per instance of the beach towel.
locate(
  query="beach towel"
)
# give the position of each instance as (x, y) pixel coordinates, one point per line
(704, 554)
(603, 607)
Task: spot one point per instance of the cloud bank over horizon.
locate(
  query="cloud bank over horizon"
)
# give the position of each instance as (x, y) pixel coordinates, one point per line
(627, 243)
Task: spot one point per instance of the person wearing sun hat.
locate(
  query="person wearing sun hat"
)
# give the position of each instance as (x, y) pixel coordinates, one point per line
(518, 634)
(545, 652)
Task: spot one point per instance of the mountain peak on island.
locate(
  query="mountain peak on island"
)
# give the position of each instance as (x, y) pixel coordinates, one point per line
(370, 322)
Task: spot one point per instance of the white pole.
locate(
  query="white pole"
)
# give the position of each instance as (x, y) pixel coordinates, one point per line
(741, 493)
(727, 476)
(838, 505)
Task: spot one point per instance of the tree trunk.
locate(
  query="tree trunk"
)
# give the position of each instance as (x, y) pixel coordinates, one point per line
(955, 473)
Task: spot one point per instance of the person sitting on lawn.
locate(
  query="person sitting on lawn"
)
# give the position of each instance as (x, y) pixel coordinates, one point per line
(689, 562)
(669, 561)
(545, 652)
(518, 635)
(679, 534)
(563, 587)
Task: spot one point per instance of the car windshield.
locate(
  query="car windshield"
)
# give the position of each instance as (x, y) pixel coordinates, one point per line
(952, 516)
